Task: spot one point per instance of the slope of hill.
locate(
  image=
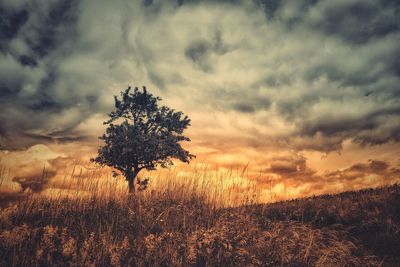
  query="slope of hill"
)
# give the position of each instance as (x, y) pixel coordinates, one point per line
(171, 229)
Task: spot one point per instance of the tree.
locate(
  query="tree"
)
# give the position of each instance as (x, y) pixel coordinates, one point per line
(142, 135)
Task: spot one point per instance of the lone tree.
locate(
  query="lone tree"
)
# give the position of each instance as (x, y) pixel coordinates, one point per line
(142, 135)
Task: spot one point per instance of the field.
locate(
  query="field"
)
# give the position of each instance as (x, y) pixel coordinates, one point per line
(176, 228)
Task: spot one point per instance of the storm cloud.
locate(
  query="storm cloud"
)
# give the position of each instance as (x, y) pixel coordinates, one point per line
(292, 173)
(306, 74)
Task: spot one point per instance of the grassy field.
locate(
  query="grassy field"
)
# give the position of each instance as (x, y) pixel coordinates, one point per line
(177, 228)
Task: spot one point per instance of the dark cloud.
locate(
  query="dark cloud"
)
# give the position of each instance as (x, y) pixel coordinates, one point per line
(147, 2)
(378, 168)
(293, 108)
(243, 107)
(310, 74)
(56, 137)
(375, 127)
(27, 61)
(251, 105)
(360, 66)
(10, 23)
(32, 34)
(270, 7)
(34, 182)
(293, 174)
(276, 80)
(35, 176)
(237, 99)
(292, 167)
(182, 2)
(357, 21)
(200, 51)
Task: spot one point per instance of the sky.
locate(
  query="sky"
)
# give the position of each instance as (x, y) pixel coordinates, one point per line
(306, 94)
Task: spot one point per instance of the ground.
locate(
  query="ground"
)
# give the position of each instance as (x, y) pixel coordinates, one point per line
(172, 229)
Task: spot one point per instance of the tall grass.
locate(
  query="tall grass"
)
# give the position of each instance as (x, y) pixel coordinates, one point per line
(196, 219)
(220, 188)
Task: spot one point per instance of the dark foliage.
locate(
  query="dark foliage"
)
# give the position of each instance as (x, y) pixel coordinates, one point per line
(142, 135)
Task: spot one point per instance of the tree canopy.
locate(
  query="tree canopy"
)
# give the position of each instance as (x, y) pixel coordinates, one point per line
(141, 134)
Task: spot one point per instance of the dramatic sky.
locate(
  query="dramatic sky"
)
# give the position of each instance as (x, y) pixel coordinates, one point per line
(306, 93)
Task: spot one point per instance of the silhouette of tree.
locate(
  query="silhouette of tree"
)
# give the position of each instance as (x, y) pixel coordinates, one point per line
(142, 135)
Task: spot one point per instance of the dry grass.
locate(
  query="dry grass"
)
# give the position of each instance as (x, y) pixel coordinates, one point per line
(183, 225)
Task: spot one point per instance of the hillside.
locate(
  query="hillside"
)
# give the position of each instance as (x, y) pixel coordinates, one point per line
(169, 229)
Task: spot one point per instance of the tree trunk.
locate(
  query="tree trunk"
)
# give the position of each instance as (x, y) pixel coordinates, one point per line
(131, 181)
(131, 186)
